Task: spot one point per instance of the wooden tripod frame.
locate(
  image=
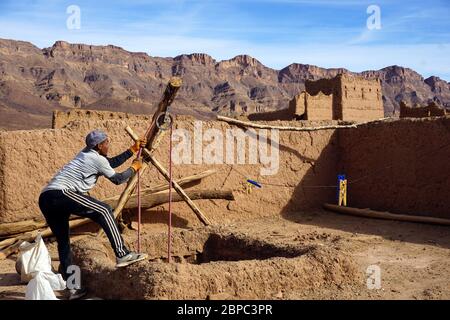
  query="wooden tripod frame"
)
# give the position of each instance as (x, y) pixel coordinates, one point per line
(154, 136)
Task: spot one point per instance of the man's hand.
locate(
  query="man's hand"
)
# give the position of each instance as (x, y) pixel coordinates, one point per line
(138, 144)
(136, 165)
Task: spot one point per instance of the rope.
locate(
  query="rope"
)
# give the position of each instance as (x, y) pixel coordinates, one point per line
(362, 178)
(169, 245)
(139, 207)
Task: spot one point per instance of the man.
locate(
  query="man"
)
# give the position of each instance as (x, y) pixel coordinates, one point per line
(66, 194)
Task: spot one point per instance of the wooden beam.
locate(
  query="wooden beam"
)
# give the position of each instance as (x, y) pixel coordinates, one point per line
(5, 245)
(148, 156)
(289, 128)
(367, 213)
(47, 232)
(153, 133)
(156, 199)
(5, 253)
(9, 229)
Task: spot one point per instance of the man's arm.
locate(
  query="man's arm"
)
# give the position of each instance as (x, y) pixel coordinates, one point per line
(119, 178)
(105, 169)
(118, 160)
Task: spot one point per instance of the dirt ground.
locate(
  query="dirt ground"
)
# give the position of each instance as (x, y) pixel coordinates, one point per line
(414, 259)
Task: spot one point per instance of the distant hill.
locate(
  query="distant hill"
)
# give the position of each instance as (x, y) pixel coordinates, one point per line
(34, 82)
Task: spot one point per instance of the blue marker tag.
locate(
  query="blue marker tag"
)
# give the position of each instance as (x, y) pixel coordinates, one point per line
(256, 184)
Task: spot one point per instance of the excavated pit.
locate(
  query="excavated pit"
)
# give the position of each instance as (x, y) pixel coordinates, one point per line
(208, 263)
(229, 247)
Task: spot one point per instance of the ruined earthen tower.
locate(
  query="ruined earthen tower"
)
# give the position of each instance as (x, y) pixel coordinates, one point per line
(343, 97)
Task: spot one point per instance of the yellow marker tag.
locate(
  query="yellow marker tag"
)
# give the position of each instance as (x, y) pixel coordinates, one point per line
(248, 188)
(342, 193)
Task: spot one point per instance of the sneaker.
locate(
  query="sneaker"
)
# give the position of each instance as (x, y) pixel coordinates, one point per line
(75, 294)
(130, 258)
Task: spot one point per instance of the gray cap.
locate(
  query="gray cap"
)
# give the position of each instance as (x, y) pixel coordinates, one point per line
(94, 138)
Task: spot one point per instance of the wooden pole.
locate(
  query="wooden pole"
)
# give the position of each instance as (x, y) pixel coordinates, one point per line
(153, 133)
(156, 199)
(5, 245)
(47, 232)
(367, 213)
(5, 253)
(289, 128)
(9, 229)
(148, 156)
(126, 194)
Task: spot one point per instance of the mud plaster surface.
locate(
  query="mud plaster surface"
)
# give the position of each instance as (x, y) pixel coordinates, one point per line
(29, 159)
(336, 251)
(400, 166)
(260, 270)
(414, 258)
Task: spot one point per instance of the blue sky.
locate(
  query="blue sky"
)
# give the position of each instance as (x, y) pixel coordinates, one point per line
(414, 34)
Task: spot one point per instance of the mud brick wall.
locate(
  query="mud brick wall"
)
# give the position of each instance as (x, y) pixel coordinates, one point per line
(324, 85)
(29, 159)
(352, 98)
(361, 99)
(283, 114)
(432, 110)
(401, 166)
(62, 118)
(298, 104)
(319, 107)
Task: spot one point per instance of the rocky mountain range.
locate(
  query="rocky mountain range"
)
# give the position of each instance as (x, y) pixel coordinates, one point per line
(34, 82)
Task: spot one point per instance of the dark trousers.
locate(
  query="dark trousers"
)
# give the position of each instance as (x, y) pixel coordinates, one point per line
(58, 205)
